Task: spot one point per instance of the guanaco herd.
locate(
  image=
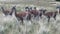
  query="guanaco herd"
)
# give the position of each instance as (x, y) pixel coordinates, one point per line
(29, 12)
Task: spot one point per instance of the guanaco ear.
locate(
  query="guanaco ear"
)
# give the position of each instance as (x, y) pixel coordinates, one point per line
(14, 8)
(30, 8)
(26, 7)
(34, 7)
(45, 10)
(2, 9)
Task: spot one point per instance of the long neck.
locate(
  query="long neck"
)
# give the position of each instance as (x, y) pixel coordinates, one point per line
(13, 12)
(58, 10)
(2, 9)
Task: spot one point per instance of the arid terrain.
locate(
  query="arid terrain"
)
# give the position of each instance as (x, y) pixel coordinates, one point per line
(10, 24)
